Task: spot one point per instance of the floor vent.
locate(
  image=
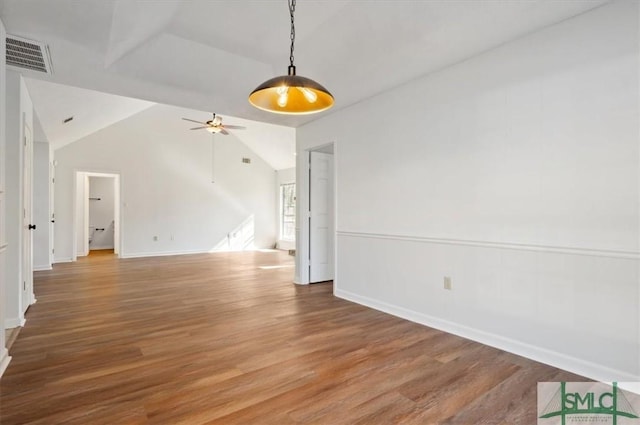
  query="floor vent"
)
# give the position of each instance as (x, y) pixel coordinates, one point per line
(28, 54)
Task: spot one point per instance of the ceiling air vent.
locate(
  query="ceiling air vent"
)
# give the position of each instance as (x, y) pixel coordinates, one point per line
(28, 54)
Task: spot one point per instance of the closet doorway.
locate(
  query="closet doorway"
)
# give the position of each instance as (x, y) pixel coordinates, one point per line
(97, 222)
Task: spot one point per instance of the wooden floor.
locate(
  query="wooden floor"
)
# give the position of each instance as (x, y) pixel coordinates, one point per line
(228, 339)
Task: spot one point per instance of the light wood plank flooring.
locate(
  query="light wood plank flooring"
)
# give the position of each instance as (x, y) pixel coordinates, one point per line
(228, 339)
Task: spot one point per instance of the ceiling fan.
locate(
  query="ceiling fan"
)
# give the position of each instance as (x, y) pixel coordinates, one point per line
(214, 125)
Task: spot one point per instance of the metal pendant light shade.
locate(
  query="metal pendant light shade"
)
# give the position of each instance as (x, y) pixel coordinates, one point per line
(291, 94)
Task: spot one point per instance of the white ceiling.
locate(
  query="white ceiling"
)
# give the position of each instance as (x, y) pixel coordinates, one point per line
(208, 55)
(91, 110)
(275, 144)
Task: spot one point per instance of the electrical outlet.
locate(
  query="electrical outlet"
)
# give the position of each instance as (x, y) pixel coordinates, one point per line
(155, 238)
(447, 283)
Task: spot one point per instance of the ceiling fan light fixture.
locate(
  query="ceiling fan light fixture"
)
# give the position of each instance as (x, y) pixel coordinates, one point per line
(214, 125)
(291, 94)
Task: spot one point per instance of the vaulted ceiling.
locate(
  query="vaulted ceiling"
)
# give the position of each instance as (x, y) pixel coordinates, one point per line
(208, 55)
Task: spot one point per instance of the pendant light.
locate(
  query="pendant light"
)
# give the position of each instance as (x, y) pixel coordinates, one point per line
(291, 93)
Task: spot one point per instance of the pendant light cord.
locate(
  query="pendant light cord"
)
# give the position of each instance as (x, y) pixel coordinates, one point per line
(292, 9)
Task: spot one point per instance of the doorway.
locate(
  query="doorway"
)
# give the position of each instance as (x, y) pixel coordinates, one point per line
(317, 247)
(97, 213)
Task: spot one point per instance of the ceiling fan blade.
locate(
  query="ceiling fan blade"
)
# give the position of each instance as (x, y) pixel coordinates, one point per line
(198, 128)
(223, 131)
(199, 122)
(235, 127)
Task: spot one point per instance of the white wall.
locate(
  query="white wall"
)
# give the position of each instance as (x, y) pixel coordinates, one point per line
(166, 187)
(285, 176)
(18, 105)
(41, 215)
(101, 212)
(4, 355)
(515, 173)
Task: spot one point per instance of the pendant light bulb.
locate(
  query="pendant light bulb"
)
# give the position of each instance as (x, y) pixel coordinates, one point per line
(283, 96)
(274, 95)
(308, 94)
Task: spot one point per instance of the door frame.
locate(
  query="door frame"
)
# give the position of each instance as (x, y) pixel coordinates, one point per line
(51, 212)
(27, 296)
(81, 211)
(302, 219)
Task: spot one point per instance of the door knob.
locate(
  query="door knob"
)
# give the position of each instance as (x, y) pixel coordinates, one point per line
(32, 227)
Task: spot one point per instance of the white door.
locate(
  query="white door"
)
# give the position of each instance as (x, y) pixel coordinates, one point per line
(321, 250)
(27, 221)
(52, 216)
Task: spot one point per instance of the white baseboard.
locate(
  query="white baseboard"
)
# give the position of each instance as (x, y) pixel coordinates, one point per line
(42, 268)
(162, 253)
(63, 260)
(542, 355)
(14, 322)
(286, 245)
(5, 358)
(168, 253)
